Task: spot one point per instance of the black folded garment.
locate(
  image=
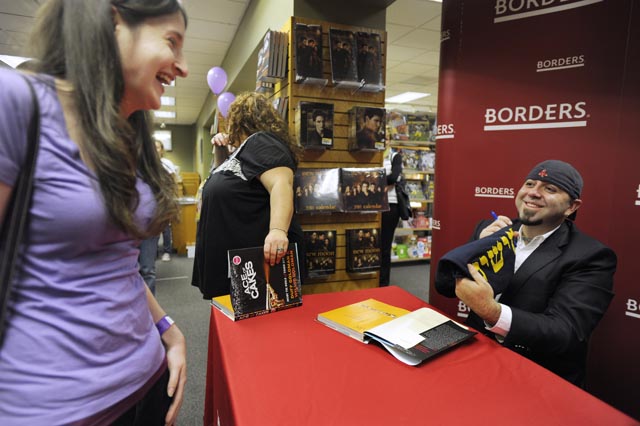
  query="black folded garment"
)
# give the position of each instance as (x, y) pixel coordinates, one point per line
(493, 256)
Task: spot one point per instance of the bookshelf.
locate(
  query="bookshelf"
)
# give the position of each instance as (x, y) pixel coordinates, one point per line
(343, 99)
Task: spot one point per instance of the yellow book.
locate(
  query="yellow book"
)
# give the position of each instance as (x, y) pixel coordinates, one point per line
(353, 320)
(411, 337)
(223, 304)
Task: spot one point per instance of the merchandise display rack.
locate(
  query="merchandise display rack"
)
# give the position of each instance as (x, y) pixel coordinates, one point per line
(343, 99)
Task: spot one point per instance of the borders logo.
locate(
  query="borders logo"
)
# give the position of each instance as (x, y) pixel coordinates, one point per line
(638, 199)
(463, 310)
(549, 116)
(557, 64)
(494, 192)
(445, 35)
(633, 310)
(511, 10)
(445, 131)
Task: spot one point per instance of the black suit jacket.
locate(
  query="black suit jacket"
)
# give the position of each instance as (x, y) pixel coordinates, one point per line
(557, 298)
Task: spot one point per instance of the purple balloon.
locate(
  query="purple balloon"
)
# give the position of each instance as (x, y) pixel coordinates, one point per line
(217, 79)
(224, 100)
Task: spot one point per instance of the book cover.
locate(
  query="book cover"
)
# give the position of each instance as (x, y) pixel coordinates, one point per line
(364, 189)
(416, 190)
(320, 252)
(317, 191)
(367, 129)
(411, 337)
(308, 48)
(418, 160)
(315, 125)
(397, 128)
(369, 59)
(258, 288)
(353, 320)
(419, 335)
(421, 126)
(363, 249)
(266, 59)
(344, 69)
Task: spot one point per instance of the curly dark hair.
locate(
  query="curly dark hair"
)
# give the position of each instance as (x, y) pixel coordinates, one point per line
(251, 113)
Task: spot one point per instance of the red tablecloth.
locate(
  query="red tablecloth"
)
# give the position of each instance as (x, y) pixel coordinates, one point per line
(286, 369)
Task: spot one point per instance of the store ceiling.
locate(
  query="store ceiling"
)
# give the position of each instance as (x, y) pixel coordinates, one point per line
(413, 33)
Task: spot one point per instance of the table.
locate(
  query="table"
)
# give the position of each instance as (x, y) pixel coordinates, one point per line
(285, 368)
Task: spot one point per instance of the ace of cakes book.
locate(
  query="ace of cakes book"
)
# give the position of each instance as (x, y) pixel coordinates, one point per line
(258, 288)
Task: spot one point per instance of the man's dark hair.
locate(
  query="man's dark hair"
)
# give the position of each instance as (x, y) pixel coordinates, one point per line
(319, 112)
(372, 112)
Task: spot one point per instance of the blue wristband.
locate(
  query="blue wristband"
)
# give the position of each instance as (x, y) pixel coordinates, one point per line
(164, 324)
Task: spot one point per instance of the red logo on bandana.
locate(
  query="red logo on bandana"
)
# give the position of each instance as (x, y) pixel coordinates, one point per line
(543, 173)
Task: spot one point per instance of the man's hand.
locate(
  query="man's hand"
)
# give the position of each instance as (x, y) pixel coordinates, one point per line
(478, 295)
(496, 225)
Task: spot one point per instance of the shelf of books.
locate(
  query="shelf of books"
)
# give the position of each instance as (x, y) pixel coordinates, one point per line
(332, 97)
(413, 135)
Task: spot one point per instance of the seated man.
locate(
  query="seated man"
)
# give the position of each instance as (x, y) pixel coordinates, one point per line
(563, 279)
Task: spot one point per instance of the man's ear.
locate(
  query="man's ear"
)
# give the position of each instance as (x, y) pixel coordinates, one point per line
(573, 206)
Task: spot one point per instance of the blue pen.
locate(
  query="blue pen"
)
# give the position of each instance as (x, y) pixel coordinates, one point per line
(495, 216)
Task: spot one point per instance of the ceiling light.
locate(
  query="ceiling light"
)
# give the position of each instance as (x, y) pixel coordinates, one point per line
(406, 97)
(167, 100)
(13, 61)
(165, 114)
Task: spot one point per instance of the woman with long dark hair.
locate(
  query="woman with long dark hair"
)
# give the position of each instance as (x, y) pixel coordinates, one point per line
(86, 343)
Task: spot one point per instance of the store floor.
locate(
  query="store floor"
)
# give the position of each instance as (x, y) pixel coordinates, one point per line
(185, 305)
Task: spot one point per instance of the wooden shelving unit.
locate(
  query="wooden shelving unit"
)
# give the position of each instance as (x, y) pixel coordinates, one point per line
(343, 100)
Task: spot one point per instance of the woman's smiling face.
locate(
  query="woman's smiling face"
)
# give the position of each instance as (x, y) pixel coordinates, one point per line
(151, 55)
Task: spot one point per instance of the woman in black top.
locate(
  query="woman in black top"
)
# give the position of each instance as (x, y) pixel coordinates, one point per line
(248, 200)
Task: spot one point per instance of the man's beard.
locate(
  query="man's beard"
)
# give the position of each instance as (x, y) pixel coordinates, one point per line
(524, 218)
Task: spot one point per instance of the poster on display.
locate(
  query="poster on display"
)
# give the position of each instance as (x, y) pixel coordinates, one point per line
(522, 82)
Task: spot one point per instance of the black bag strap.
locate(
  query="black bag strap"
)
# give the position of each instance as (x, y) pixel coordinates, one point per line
(15, 219)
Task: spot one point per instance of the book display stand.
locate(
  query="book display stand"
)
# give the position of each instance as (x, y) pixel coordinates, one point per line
(304, 84)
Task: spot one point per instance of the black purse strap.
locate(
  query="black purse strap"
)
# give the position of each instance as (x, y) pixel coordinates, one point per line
(15, 219)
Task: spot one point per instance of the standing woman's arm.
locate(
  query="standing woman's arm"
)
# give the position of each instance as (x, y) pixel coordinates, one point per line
(176, 349)
(5, 194)
(279, 182)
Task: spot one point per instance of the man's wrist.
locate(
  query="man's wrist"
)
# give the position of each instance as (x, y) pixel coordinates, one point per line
(493, 314)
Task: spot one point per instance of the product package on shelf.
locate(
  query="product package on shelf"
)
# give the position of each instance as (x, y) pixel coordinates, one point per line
(369, 61)
(416, 190)
(271, 59)
(317, 191)
(308, 54)
(344, 69)
(364, 189)
(397, 128)
(320, 251)
(418, 160)
(367, 129)
(314, 125)
(421, 126)
(363, 249)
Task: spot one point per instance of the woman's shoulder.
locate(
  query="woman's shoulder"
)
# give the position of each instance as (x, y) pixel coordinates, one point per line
(13, 88)
(265, 141)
